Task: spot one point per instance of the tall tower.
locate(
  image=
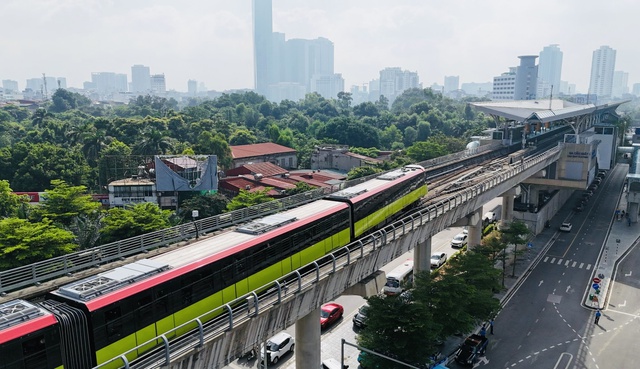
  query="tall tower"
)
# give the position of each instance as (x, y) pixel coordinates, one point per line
(262, 44)
(140, 79)
(603, 64)
(526, 78)
(549, 71)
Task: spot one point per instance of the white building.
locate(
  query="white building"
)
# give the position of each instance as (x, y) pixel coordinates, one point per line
(451, 83)
(192, 87)
(158, 84)
(603, 64)
(10, 86)
(140, 79)
(620, 84)
(526, 78)
(328, 86)
(549, 71)
(394, 81)
(504, 85)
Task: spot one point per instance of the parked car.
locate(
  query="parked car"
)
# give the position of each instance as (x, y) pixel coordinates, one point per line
(490, 217)
(330, 313)
(459, 240)
(359, 320)
(471, 349)
(579, 207)
(438, 259)
(277, 346)
(565, 227)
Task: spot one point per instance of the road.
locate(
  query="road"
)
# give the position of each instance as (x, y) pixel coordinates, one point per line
(331, 337)
(544, 324)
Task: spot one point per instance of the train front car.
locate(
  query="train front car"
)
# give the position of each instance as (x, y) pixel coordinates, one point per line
(133, 304)
(378, 201)
(29, 337)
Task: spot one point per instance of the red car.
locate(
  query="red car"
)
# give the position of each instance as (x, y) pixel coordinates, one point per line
(330, 313)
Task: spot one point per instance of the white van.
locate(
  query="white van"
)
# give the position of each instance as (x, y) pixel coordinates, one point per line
(332, 364)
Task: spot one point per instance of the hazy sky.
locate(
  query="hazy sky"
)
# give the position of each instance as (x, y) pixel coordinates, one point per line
(211, 40)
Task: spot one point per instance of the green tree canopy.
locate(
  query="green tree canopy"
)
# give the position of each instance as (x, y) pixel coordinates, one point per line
(23, 242)
(121, 223)
(207, 205)
(9, 202)
(64, 202)
(245, 199)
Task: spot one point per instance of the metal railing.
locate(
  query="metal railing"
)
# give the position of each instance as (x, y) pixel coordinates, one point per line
(34, 274)
(217, 322)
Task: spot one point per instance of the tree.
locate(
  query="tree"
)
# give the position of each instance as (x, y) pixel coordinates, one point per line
(425, 150)
(245, 199)
(398, 328)
(23, 242)
(9, 202)
(45, 162)
(363, 171)
(64, 203)
(121, 223)
(516, 234)
(207, 205)
(154, 142)
(242, 136)
(301, 187)
(210, 144)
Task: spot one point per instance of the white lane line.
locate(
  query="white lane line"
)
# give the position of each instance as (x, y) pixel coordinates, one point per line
(553, 260)
(588, 266)
(545, 259)
(574, 264)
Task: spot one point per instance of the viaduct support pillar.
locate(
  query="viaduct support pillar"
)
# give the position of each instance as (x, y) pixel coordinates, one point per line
(422, 256)
(307, 343)
(507, 207)
(475, 229)
(534, 196)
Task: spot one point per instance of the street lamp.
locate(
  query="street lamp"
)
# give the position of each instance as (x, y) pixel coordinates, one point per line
(194, 216)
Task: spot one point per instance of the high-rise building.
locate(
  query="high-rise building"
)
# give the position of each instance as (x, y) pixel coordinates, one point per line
(393, 81)
(504, 85)
(480, 89)
(158, 84)
(549, 71)
(192, 87)
(108, 83)
(620, 84)
(526, 78)
(603, 64)
(451, 83)
(10, 86)
(262, 45)
(636, 89)
(140, 79)
(327, 85)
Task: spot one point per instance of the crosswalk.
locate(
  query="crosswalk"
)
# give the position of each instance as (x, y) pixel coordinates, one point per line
(566, 263)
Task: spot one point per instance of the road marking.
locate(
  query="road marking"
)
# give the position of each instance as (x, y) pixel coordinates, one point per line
(561, 359)
(553, 260)
(559, 261)
(545, 259)
(588, 266)
(623, 304)
(628, 275)
(568, 288)
(581, 265)
(540, 284)
(567, 263)
(574, 264)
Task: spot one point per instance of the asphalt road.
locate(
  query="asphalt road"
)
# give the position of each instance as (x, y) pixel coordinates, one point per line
(544, 324)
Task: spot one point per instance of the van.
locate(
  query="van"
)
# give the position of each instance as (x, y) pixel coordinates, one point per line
(332, 364)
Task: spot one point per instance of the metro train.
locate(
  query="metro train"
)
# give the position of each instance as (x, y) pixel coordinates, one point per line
(88, 322)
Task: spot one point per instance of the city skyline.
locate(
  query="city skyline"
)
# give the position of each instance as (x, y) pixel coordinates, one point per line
(212, 42)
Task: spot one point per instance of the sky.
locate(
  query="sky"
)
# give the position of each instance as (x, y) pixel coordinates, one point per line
(211, 41)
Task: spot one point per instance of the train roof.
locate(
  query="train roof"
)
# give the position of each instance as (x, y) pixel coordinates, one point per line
(378, 184)
(19, 318)
(182, 260)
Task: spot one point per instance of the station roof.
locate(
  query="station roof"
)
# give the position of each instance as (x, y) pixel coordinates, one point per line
(540, 110)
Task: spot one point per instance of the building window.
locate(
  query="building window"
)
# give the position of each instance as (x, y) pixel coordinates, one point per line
(133, 191)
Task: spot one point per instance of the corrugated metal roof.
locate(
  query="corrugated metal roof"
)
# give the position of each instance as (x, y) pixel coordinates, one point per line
(266, 148)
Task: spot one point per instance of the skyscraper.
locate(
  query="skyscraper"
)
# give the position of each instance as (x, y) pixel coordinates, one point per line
(192, 87)
(158, 84)
(549, 71)
(451, 83)
(140, 79)
(620, 85)
(262, 44)
(526, 78)
(603, 64)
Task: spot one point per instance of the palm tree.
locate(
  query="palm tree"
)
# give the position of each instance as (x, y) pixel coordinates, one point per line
(153, 142)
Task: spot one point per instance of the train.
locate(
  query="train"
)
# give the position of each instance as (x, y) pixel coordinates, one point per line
(88, 322)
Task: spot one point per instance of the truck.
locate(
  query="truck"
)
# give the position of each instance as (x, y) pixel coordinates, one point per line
(471, 349)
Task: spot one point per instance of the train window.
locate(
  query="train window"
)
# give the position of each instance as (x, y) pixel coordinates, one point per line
(162, 302)
(113, 323)
(187, 295)
(144, 311)
(34, 353)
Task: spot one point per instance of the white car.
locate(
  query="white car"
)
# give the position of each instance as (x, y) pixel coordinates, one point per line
(459, 241)
(565, 227)
(490, 217)
(278, 346)
(438, 259)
